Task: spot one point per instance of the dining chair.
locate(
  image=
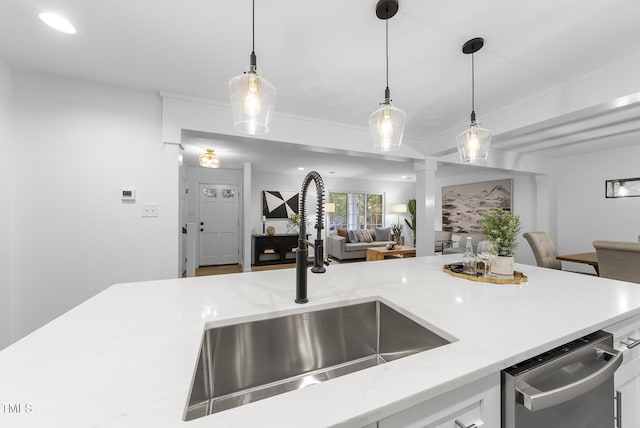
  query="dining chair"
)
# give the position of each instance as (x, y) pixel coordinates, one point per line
(619, 260)
(544, 249)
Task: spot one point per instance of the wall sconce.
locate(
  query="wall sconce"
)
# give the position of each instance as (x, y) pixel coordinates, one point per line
(622, 188)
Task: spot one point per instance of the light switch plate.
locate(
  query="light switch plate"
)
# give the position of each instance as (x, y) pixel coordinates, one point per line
(150, 210)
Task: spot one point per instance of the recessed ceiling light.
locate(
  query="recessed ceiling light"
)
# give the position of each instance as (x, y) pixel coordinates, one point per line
(405, 176)
(300, 168)
(57, 22)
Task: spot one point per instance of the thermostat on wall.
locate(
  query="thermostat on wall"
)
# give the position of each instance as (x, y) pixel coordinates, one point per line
(128, 194)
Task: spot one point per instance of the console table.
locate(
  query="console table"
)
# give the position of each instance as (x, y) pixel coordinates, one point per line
(274, 249)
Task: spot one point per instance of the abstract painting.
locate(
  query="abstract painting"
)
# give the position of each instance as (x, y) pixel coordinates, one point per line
(279, 204)
(462, 204)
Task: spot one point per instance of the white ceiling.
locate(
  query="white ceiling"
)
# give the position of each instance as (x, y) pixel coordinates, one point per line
(326, 58)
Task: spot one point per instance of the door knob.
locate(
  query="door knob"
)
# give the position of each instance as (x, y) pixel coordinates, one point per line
(202, 223)
(201, 230)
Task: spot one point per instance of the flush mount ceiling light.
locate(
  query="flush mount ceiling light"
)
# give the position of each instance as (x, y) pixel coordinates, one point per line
(57, 22)
(473, 142)
(210, 159)
(387, 123)
(252, 96)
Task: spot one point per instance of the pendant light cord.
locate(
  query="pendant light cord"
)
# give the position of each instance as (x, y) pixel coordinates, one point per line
(252, 59)
(473, 84)
(387, 93)
(387, 48)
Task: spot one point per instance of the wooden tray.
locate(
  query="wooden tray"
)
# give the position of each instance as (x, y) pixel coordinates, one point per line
(518, 277)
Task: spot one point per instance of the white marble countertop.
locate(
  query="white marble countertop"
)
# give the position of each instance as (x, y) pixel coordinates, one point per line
(125, 358)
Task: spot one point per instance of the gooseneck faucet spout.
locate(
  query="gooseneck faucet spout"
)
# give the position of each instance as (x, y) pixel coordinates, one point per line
(303, 244)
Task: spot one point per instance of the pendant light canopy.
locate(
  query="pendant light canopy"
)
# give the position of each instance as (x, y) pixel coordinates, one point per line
(209, 159)
(253, 97)
(473, 142)
(387, 123)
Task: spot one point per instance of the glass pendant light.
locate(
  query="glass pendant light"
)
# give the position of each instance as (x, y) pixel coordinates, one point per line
(387, 123)
(209, 159)
(473, 142)
(252, 96)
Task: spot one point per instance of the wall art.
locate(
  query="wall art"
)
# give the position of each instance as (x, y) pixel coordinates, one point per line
(622, 188)
(277, 204)
(462, 204)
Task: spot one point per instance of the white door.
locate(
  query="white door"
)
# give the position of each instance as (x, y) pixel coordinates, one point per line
(218, 224)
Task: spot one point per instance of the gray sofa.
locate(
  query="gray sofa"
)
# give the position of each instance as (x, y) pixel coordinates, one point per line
(343, 248)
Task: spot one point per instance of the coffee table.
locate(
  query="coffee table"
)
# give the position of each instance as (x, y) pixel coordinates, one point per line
(379, 253)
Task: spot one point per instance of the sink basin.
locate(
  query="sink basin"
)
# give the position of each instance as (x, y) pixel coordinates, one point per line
(250, 361)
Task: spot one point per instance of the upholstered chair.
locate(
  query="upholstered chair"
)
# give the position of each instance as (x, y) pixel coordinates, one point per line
(442, 240)
(544, 249)
(618, 260)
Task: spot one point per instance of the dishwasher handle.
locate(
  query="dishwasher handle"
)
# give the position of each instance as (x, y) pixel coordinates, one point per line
(533, 399)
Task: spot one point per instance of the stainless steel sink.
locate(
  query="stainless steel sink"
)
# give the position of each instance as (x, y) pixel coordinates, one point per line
(246, 362)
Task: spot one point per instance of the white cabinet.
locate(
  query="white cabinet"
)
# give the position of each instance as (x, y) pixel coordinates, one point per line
(627, 377)
(627, 386)
(477, 403)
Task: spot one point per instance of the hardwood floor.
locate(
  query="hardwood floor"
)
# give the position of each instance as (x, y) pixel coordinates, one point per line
(225, 269)
(218, 270)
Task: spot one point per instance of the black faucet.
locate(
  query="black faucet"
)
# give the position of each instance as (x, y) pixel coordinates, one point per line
(303, 244)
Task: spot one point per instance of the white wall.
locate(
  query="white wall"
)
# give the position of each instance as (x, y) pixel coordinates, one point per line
(524, 203)
(76, 145)
(5, 204)
(584, 214)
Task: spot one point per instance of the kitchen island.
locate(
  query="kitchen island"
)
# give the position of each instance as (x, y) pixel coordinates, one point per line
(126, 357)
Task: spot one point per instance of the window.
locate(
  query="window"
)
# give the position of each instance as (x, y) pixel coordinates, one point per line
(355, 211)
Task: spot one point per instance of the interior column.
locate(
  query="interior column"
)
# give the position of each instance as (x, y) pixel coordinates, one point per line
(247, 209)
(425, 205)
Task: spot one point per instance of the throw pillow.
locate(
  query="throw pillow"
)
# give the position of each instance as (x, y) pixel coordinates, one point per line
(352, 236)
(343, 232)
(383, 234)
(363, 235)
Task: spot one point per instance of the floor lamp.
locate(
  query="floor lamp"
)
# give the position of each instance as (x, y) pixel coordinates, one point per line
(399, 209)
(329, 208)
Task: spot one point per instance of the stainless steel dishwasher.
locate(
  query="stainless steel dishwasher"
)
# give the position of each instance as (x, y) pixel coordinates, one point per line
(570, 386)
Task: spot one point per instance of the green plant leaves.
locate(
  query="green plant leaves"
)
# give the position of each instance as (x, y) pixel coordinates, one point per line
(501, 227)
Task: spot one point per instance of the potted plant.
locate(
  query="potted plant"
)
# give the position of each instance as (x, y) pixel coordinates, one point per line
(396, 230)
(412, 210)
(294, 223)
(501, 227)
